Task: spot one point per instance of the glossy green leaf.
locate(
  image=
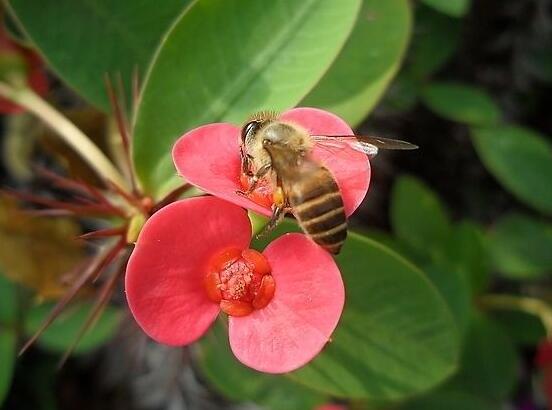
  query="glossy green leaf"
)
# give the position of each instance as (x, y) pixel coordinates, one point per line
(396, 336)
(454, 289)
(8, 301)
(61, 334)
(450, 281)
(417, 215)
(521, 246)
(367, 63)
(7, 360)
(225, 60)
(520, 159)
(462, 103)
(449, 400)
(404, 249)
(85, 40)
(524, 329)
(455, 8)
(489, 365)
(466, 251)
(239, 383)
(435, 39)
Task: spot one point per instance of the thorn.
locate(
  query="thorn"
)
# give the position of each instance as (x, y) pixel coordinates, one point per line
(101, 302)
(117, 112)
(109, 258)
(132, 200)
(172, 196)
(135, 88)
(118, 106)
(90, 269)
(61, 181)
(123, 103)
(48, 212)
(103, 233)
(88, 209)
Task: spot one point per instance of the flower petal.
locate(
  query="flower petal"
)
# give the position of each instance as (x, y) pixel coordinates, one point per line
(164, 277)
(350, 168)
(208, 157)
(298, 322)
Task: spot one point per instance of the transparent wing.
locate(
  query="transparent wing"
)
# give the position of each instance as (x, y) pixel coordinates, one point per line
(363, 143)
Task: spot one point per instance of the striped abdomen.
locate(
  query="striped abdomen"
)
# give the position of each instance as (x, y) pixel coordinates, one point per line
(316, 202)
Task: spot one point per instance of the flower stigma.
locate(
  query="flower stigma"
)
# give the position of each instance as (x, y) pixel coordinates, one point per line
(239, 281)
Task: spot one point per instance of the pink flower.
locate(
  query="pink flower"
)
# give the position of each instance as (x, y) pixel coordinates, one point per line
(209, 157)
(331, 406)
(543, 358)
(192, 260)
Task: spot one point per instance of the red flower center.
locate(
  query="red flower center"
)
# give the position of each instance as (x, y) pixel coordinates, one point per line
(240, 281)
(262, 194)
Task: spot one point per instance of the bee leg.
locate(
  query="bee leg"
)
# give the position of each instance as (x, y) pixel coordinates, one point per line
(255, 180)
(245, 162)
(279, 210)
(278, 213)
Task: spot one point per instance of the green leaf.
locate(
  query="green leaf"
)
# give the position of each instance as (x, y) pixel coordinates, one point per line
(454, 8)
(7, 358)
(240, 383)
(466, 251)
(59, 336)
(455, 291)
(417, 215)
(224, 60)
(521, 246)
(436, 37)
(84, 40)
(525, 329)
(521, 160)
(461, 103)
(403, 93)
(449, 281)
(402, 248)
(367, 63)
(8, 301)
(396, 336)
(489, 366)
(449, 400)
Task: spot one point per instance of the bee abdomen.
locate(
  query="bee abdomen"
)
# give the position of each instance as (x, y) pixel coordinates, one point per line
(318, 207)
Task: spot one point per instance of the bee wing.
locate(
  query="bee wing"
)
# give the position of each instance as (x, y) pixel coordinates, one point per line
(363, 143)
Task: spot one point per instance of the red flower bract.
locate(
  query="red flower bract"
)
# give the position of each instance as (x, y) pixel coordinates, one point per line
(172, 298)
(208, 157)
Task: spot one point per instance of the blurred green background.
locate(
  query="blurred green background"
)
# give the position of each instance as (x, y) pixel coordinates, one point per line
(447, 272)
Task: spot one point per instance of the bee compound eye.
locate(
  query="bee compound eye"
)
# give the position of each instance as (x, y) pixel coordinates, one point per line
(249, 129)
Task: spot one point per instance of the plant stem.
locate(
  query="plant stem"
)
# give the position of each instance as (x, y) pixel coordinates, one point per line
(533, 306)
(70, 133)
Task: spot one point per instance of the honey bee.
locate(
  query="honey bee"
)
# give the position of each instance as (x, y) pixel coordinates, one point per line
(278, 152)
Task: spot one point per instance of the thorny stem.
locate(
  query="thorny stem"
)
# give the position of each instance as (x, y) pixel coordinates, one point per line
(526, 304)
(73, 136)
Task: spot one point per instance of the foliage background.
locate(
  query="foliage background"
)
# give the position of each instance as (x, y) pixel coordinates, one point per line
(448, 272)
